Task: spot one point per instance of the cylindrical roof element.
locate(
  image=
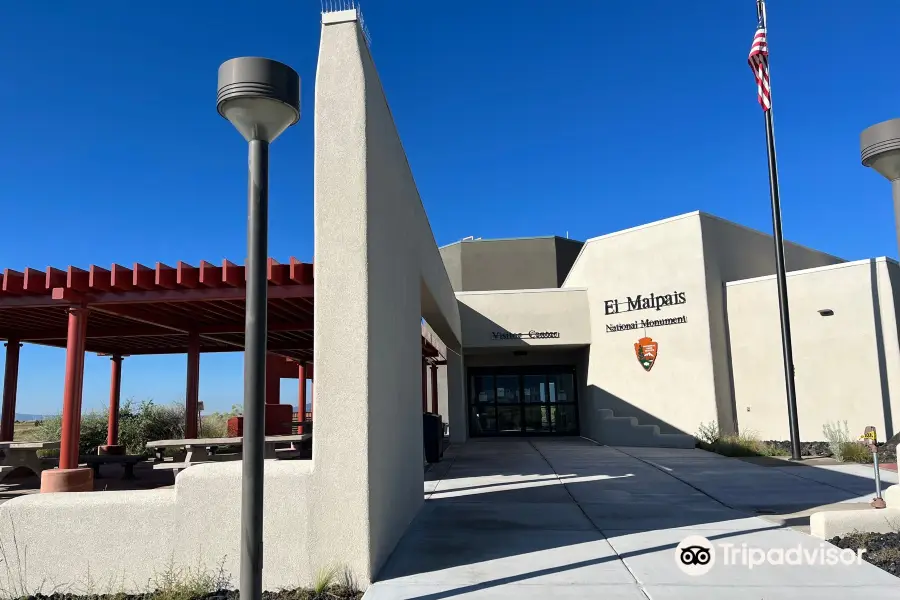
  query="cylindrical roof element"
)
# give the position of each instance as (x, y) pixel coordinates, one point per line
(880, 148)
(260, 96)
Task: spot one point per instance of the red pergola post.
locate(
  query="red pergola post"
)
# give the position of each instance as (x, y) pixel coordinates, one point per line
(10, 384)
(424, 385)
(192, 394)
(301, 395)
(434, 390)
(69, 478)
(115, 391)
(312, 392)
(273, 379)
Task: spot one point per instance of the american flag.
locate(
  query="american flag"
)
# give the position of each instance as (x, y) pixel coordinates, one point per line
(759, 62)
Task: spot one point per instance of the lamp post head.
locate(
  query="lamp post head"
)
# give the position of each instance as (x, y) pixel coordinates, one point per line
(260, 97)
(880, 148)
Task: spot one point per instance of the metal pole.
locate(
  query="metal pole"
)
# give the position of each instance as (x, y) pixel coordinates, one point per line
(895, 188)
(877, 474)
(255, 373)
(783, 308)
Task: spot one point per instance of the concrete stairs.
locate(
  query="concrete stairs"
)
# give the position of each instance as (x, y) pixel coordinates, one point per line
(626, 431)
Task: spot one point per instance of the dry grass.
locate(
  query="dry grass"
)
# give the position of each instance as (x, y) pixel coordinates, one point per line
(855, 452)
(187, 583)
(744, 444)
(27, 431)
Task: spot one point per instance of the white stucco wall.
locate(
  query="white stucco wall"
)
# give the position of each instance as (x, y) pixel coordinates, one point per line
(378, 273)
(732, 252)
(125, 541)
(520, 318)
(847, 366)
(661, 258)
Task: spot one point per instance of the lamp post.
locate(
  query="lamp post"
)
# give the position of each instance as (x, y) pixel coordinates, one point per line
(880, 150)
(261, 98)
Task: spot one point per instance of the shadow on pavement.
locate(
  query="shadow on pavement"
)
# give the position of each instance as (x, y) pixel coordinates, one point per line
(546, 510)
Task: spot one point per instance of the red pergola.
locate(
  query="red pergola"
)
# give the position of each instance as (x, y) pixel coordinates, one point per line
(139, 310)
(122, 311)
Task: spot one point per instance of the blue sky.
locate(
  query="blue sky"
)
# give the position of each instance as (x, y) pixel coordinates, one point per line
(519, 118)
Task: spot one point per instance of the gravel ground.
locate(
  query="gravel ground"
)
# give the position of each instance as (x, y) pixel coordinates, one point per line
(333, 594)
(882, 549)
(886, 453)
(806, 448)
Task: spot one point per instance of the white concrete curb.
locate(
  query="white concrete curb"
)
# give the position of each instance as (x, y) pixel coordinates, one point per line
(892, 496)
(828, 524)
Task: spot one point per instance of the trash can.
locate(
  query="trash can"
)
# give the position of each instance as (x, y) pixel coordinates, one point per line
(432, 430)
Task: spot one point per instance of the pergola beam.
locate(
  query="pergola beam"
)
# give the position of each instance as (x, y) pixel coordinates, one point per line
(288, 292)
(274, 347)
(156, 330)
(118, 284)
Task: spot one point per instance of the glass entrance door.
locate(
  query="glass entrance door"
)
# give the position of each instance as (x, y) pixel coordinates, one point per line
(523, 401)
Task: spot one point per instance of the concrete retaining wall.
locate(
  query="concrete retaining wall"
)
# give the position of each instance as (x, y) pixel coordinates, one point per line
(111, 542)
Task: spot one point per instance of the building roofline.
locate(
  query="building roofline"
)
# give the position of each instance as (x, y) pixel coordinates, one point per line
(854, 263)
(623, 231)
(696, 213)
(512, 239)
(523, 291)
(745, 227)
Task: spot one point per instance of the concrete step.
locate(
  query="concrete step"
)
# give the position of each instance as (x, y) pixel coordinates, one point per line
(627, 431)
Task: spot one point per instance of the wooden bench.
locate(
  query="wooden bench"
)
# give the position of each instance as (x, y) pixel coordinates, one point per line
(204, 450)
(127, 460)
(25, 455)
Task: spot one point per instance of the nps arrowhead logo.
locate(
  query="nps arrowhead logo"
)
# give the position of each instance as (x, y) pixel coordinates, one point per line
(645, 349)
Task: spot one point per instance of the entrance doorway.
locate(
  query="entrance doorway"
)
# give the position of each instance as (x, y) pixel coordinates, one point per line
(523, 401)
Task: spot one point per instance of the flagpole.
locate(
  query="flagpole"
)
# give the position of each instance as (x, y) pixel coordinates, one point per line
(783, 308)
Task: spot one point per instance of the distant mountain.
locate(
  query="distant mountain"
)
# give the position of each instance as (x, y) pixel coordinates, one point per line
(27, 417)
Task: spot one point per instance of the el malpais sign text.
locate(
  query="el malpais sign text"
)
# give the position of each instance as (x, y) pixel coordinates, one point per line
(642, 302)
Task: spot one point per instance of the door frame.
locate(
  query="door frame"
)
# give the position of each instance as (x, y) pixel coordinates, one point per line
(521, 372)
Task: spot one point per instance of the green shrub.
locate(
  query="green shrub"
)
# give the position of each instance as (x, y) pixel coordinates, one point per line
(215, 425)
(137, 426)
(709, 433)
(149, 422)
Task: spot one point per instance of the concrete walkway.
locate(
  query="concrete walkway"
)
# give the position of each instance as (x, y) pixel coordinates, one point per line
(566, 519)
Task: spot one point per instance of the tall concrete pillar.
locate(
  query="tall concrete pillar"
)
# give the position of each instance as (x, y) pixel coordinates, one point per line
(378, 273)
(456, 398)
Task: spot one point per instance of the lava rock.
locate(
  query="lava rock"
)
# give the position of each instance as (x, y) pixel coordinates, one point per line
(881, 549)
(331, 594)
(806, 448)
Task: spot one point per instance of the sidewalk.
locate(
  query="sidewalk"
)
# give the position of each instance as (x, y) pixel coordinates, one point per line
(567, 519)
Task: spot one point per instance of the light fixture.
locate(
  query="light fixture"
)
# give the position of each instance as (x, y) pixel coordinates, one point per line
(261, 98)
(880, 151)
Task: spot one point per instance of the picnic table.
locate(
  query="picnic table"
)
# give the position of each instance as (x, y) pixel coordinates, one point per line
(128, 461)
(205, 450)
(23, 454)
